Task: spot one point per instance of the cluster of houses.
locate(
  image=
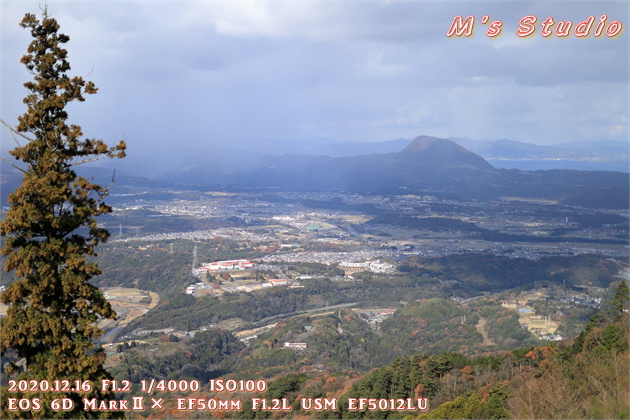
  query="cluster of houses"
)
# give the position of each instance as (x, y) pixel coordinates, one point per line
(375, 317)
(582, 300)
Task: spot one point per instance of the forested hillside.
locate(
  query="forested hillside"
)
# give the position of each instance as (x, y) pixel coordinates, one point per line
(585, 377)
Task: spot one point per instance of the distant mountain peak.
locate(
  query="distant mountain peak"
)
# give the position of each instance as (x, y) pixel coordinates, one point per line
(424, 143)
(444, 153)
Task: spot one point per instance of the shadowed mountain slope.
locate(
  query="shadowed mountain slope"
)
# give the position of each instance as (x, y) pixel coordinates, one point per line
(428, 165)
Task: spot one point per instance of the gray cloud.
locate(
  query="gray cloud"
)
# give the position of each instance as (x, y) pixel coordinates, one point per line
(198, 75)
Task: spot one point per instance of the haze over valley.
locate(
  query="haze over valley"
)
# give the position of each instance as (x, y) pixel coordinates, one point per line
(432, 201)
(350, 262)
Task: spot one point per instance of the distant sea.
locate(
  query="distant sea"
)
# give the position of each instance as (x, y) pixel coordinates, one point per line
(535, 165)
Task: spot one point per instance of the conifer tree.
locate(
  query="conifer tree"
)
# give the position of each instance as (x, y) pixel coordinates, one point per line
(50, 232)
(620, 301)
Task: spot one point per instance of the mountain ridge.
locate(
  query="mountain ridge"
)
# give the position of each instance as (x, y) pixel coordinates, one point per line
(425, 166)
(447, 152)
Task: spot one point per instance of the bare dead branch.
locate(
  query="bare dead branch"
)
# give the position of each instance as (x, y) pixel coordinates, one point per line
(15, 166)
(14, 132)
(81, 162)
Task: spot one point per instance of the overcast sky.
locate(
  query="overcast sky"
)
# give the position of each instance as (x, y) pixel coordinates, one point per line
(197, 75)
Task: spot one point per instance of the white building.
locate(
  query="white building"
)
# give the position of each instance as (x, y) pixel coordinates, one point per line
(229, 265)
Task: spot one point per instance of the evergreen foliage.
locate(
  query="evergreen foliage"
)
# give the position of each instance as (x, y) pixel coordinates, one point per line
(621, 301)
(207, 355)
(431, 326)
(51, 230)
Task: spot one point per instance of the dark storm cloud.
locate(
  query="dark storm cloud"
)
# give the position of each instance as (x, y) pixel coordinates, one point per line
(198, 75)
